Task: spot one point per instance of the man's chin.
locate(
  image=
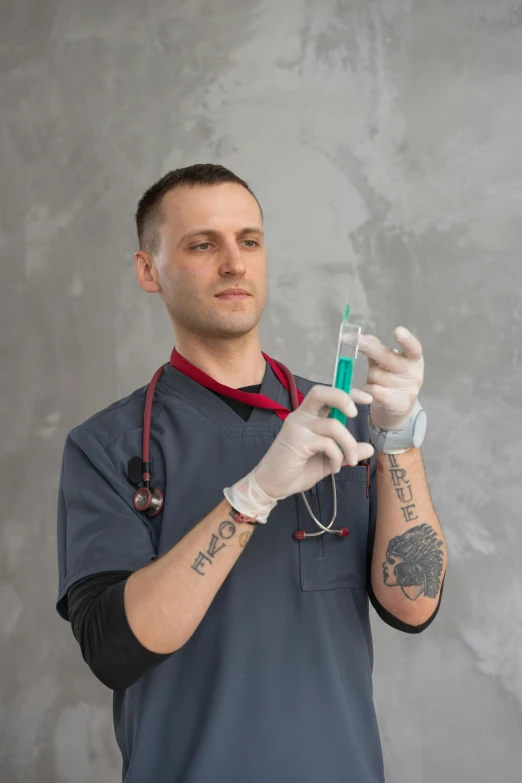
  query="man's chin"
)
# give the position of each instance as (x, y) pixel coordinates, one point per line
(235, 324)
(229, 330)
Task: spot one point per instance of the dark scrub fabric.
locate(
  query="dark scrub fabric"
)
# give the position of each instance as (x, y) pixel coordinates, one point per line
(99, 623)
(97, 614)
(275, 683)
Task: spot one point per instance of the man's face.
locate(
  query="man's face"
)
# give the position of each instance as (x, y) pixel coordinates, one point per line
(212, 240)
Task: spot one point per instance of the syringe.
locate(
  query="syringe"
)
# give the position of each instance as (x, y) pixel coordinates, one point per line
(345, 360)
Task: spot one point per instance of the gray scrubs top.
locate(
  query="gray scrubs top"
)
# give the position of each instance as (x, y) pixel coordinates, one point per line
(275, 684)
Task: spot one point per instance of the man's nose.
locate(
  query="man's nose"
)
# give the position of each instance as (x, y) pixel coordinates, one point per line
(232, 261)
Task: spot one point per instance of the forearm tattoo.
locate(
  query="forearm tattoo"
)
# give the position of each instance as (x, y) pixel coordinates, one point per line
(226, 531)
(402, 486)
(414, 563)
(414, 560)
(243, 538)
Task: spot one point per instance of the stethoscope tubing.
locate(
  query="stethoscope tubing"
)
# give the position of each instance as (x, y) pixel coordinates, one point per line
(156, 507)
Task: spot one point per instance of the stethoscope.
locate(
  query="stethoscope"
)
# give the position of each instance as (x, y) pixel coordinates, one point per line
(150, 500)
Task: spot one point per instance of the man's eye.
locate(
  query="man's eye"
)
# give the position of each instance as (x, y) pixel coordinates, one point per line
(251, 240)
(202, 244)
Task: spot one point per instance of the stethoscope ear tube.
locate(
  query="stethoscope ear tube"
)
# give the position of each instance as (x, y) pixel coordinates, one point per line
(301, 535)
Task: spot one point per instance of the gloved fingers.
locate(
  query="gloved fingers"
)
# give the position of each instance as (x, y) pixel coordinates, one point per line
(390, 380)
(375, 350)
(412, 373)
(360, 396)
(321, 399)
(342, 438)
(411, 346)
(396, 399)
(364, 451)
(380, 354)
(379, 393)
(333, 456)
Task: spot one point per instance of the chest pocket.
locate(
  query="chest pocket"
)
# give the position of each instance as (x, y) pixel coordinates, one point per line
(329, 562)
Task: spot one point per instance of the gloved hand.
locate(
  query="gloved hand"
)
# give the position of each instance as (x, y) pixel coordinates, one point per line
(305, 450)
(394, 379)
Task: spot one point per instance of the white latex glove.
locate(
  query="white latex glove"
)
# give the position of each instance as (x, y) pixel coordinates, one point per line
(305, 450)
(394, 379)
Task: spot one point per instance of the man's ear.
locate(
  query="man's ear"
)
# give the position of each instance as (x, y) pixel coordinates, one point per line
(146, 272)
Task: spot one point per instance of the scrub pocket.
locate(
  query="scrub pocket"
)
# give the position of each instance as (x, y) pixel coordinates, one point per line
(329, 562)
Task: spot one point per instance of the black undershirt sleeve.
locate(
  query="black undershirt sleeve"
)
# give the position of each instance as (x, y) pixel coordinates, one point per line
(393, 621)
(100, 626)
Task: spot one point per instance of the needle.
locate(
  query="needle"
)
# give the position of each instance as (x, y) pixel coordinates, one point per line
(347, 311)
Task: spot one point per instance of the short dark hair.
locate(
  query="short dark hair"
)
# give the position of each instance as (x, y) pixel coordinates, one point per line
(148, 213)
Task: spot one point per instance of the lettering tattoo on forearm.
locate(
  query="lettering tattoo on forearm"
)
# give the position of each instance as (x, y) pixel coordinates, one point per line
(402, 486)
(226, 530)
(414, 563)
(213, 546)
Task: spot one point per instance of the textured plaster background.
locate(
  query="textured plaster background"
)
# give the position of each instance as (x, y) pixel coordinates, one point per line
(380, 135)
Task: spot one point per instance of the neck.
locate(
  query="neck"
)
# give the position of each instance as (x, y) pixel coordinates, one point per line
(234, 362)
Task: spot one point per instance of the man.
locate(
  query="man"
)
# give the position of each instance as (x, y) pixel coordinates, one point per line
(236, 652)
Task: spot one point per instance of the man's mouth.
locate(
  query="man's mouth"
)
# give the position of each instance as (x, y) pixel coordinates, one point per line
(233, 296)
(233, 293)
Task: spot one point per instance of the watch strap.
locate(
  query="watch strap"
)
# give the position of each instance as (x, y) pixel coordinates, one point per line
(410, 434)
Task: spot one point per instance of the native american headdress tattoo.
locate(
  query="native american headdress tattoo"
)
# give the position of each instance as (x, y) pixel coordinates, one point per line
(421, 551)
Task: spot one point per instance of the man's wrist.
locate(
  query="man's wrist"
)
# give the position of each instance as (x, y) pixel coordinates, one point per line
(393, 451)
(248, 499)
(237, 516)
(400, 439)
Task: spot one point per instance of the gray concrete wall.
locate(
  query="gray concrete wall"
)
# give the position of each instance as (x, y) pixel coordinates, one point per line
(383, 135)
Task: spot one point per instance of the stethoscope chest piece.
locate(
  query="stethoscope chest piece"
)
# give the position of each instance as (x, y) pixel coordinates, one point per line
(148, 501)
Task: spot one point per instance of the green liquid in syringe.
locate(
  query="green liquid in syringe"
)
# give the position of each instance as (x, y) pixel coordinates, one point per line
(343, 380)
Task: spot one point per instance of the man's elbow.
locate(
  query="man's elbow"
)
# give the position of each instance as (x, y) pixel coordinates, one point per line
(412, 619)
(415, 624)
(112, 677)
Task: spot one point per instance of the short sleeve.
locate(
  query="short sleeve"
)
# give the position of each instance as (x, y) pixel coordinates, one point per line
(98, 528)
